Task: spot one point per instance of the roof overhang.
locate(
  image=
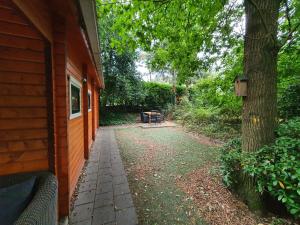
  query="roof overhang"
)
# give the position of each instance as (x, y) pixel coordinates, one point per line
(89, 14)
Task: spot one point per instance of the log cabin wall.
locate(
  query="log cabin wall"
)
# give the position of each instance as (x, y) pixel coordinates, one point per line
(23, 97)
(61, 113)
(75, 129)
(24, 93)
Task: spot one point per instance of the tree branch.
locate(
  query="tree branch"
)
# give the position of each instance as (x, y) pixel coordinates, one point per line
(287, 14)
(290, 35)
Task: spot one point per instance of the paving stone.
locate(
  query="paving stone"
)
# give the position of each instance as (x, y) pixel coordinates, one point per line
(117, 167)
(87, 186)
(85, 222)
(104, 196)
(94, 155)
(104, 178)
(104, 187)
(105, 165)
(81, 213)
(104, 215)
(123, 201)
(121, 189)
(105, 171)
(104, 199)
(116, 159)
(92, 164)
(90, 177)
(126, 217)
(94, 159)
(92, 169)
(85, 197)
(119, 179)
(118, 172)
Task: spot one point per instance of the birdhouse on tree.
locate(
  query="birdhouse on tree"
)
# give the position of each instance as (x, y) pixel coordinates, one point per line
(240, 85)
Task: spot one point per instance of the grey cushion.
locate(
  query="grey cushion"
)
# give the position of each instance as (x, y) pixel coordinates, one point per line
(14, 200)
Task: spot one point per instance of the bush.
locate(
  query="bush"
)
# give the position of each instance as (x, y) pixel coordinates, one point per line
(159, 95)
(288, 103)
(276, 168)
(231, 161)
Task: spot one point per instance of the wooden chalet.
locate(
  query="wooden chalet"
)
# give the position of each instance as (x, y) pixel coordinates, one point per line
(50, 78)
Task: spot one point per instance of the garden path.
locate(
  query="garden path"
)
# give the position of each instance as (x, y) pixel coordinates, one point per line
(103, 195)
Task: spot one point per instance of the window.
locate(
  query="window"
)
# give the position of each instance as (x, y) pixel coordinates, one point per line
(89, 100)
(75, 98)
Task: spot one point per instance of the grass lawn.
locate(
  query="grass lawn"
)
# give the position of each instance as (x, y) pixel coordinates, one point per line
(155, 160)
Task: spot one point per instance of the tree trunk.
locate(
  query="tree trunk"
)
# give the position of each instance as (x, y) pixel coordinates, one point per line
(260, 67)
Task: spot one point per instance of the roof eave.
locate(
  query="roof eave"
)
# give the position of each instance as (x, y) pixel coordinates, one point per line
(89, 14)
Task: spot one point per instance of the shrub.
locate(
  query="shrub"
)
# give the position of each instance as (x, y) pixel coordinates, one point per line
(288, 103)
(276, 168)
(159, 95)
(231, 161)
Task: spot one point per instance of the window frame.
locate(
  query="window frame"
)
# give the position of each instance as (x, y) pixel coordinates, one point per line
(78, 85)
(89, 98)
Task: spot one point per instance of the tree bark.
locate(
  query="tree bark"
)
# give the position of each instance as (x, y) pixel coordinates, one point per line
(260, 67)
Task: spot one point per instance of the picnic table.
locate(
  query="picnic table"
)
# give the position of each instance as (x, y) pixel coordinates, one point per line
(152, 114)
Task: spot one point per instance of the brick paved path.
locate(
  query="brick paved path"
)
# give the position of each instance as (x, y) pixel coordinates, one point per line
(104, 196)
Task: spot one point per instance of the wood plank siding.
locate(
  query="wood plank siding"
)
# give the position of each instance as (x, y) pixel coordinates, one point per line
(23, 97)
(43, 45)
(75, 132)
(61, 113)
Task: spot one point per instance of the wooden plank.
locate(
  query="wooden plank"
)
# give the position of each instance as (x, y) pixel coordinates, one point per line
(39, 14)
(60, 69)
(19, 30)
(21, 42)
(27, 55)
(26, 145)
(11, 168)
(6, 4)
(20, 113)
(10, 124)
(22, 101)
(20, 66)
(18, 135)
(22, 90)
(10, 15)
(23, 156)
(21, 78)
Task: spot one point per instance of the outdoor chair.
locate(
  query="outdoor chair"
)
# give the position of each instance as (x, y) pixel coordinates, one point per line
(41, 204)
(144, 117)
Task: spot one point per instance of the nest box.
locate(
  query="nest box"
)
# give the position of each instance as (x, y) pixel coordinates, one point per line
(240, 85)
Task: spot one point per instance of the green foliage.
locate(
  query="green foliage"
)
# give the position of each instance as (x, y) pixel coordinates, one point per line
(117, 118)
(175, 31)
(210, 105)
(289, 106)
(123, 85)
(159, 95)
(231, 161)
(276, 168)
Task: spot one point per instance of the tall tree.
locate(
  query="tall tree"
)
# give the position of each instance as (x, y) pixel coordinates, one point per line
(260, 67)
(261, 48)
(123, 83)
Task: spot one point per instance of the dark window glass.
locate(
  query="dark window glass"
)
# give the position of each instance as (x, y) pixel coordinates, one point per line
(75, 95)
(89, 101)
